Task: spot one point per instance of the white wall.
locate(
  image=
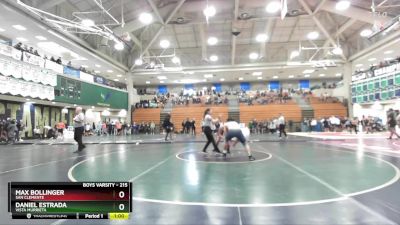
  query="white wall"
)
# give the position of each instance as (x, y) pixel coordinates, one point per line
(377, 109)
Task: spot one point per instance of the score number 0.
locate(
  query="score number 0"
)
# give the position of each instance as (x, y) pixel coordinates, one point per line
(121, 195)
(121, 206)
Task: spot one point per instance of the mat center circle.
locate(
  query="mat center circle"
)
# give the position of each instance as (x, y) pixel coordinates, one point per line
(233, 157)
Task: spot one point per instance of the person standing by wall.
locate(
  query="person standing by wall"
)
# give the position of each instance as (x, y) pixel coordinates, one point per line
(79, 126)
(281, 123)
(168, 127)
(11, 129)
(60, 129)
(391, 121)
(193, 126)
(152, 127)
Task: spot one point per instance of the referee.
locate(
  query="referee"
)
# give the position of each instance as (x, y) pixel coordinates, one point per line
(79, 128)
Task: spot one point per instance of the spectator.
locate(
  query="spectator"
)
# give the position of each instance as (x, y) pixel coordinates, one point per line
(11, 129)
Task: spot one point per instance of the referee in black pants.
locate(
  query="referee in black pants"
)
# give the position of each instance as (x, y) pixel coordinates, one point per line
(79, 124)
(209, 124)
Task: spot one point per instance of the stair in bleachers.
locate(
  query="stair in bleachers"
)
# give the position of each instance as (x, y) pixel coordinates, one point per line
(306, 109)
(167, 107)
(235, 115)
(233, 107)
(307, 113)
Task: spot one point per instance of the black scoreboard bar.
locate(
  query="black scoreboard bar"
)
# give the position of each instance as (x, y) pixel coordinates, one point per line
(70, 200)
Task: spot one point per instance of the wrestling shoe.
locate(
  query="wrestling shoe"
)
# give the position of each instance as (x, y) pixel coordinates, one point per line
(251, 158)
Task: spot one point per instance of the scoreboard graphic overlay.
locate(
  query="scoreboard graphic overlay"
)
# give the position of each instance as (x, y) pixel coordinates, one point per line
(78, 200)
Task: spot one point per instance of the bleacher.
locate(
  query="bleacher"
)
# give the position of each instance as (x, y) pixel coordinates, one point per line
(181, 113)
(331, 107)
(146, 115)
(266, 112)
(290, 110)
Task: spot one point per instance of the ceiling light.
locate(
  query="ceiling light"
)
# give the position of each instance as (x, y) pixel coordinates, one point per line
(28, 99)
(342, 5)
(152, 64)
(164, 43)
(53, 103)
(116, 80)
(372, 59)
(313, 35)
(359, 65)
(109, 71)
(338, 74)
(41, 38)
(21, 39)
(176, 60)
(259, 78)
(240, 78)
(2, 30)
(209, 11)
(119, 46)
(273, 7)
(138, 62)
(388, 52)
(257, 73)
(212, 40)
(87, 22)
(337, 51)
(84, 66)
(322, 75)
(190, 72)
(291, 76)
(97, 71)
(145, 18)
(388, 59)
(275, 77)
(294, 54)
(261, 38)
(147, 82)
(208, 75)
(161, 81)
(307, 75)
(119, 75)
(214, 58)
(222, 79)
(365, 33)
(308, 71)
(162, 77)
(253, 55)
(19, 27)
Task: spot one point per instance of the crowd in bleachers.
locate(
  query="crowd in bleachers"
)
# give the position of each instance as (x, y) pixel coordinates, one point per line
(59, 60)
(158, 101)
(213, 99)
(265, 97)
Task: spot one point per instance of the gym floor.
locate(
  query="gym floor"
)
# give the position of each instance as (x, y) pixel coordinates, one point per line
(307, 179)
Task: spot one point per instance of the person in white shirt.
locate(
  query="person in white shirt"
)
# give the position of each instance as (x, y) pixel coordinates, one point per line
(281, 123)
(232, 130)
(209, 125)
(79, 120)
